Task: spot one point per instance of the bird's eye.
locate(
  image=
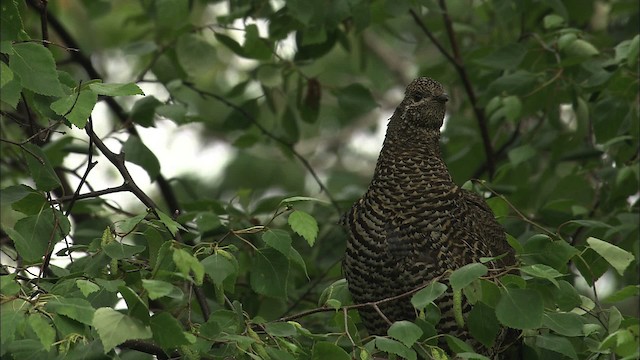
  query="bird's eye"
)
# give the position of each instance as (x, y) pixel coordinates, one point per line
(417, 97)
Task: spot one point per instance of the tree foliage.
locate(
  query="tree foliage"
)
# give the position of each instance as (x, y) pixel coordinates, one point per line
(544, 112)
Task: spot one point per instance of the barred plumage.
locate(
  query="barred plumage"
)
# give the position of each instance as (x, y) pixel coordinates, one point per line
(414, 223)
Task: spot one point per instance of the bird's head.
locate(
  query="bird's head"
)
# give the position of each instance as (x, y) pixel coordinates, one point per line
(423, 105)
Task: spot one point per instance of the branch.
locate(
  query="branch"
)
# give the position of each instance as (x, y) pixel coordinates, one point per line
(457, 62)
(149, 348)
(270, 135)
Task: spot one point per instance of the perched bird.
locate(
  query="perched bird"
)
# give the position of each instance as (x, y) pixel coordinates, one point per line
(414, 223)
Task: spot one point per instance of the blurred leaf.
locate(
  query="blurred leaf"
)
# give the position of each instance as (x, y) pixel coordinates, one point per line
(144, 111)
(34, 235)
(355, 100)
(624, 293)
(508, 57)
(521, 154)
(116, 89)
(171, 224)
(138, 153)
(40, 168)
(157, 288)
(118, 250)
(566, 324)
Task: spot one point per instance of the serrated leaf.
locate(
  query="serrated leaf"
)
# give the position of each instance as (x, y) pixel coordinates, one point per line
(395, 347)
(617, 257)
(219, 267)
(186, 263)
(116, 89)
(466, 275)
(483, 324)
(543, 272)
(558, 344)
(117, 250)
(565, 324)
(405, 331)
(269, 273)
(34, 234)
(43, 329)
(35, 66)
(338, 291)
(114, 328)
(157, 288)
(326, 350)
(40, 168)
(73, 308)
(87, 287)
(424, 297)
(138, 153)
(171, 224)
(6, 75)
(76, 107)
(305, 225)
(520, 308)
(167, 331)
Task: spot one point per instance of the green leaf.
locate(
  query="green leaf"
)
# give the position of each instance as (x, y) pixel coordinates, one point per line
(138, 153)
(171, 224)
(219, 267)
(405, 331)
(566, 296)
(326, 350)
(256, 47)
(424, 297)
(207, 221)
(167, 331)
(520, 308)
(395, 347)
(87, 287)
(6, 75)
(617, 257)
(114, 328)
(558, 344)
(624, 293)
(35, 66)
(521, 154)
(73, 308)
(338, 291)
(581, 48)
(158, 288)
(43, 329)
(116, 89)
(33, 235)
(553, 21)
(136, 306)
(118, 250)
(196, 55)
(305, 225)
(269, 273)
(565, 324)
(8, 285)
(355, 100)
(483, 324)
(281, 241)
(76, 107)
(10, 21)
(466, 275)
(144, 111)
(11, 194)
(295, 199)
(280, 329)
(456, 345)
(508, 57)
(40, 168)
(187, 263)
(541, 249)
(543, 272)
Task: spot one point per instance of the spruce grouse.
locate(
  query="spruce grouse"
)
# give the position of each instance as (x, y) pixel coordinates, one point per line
(414, 223)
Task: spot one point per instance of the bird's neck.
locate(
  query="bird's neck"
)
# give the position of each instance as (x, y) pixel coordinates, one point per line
(410, 156)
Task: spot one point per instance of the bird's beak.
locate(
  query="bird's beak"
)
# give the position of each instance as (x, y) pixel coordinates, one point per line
(443, 98)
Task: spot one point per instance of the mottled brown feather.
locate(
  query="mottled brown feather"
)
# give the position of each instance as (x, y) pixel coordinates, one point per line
(414, 223)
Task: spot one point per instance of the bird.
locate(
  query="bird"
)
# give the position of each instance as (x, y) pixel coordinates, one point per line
(413, 223)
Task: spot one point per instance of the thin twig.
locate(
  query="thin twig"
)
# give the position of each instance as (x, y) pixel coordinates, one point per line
(272, 136)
